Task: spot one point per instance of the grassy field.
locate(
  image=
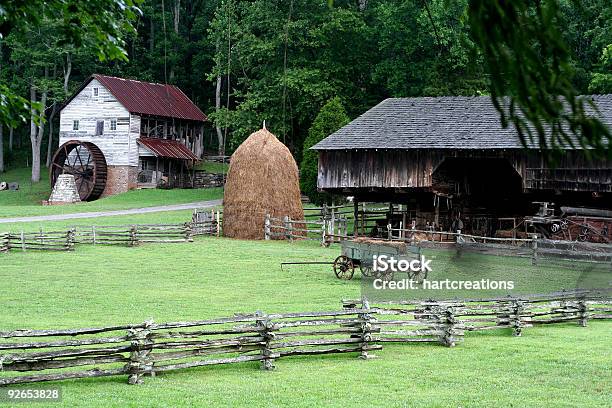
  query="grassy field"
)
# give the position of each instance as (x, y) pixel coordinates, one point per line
(561, 365)
(27, 201)
(213, 167)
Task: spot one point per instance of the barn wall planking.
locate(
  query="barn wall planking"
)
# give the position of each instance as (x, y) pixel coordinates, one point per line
(414, 168)
(88, 109)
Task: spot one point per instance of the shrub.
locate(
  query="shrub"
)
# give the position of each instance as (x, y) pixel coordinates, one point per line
(331, 117)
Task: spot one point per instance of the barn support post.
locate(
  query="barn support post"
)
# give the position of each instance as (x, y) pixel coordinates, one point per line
(355, 216)
(140, 362)
(267, 228)
(265, 326)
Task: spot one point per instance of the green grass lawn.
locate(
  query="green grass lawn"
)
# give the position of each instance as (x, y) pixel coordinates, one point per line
(213, 167)
(560, 365)
(27, 201)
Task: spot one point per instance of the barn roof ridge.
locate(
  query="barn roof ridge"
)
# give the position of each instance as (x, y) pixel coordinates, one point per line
(436, 122)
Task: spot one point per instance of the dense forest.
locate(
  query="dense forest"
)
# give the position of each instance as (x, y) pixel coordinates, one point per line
(243, 62)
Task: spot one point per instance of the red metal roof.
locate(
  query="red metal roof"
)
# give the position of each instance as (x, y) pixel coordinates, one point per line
(148, 98)
(172, 149)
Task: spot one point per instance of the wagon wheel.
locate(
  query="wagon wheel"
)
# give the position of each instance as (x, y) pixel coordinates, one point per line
(584, 234)
(386, 275)
(86, 162)
(366, 271)
(417, 276)
(344, 267)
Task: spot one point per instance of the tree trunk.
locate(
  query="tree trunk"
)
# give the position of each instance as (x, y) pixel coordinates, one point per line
(217, 109)
(11, 131)
(33, 137)
(37, 132)
(50, 145)
(177, 16)
(67, 71)
(1, 148)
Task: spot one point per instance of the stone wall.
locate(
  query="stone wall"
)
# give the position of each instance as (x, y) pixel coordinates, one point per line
(120, 179)
(206, 180)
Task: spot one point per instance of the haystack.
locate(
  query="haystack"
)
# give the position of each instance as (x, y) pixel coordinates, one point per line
(262, 179)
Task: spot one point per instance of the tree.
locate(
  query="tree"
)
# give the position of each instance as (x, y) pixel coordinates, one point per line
(331, 117)
(97, 24)
(531, 75)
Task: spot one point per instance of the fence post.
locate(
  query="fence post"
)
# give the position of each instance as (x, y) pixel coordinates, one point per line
(446, 317)
(133, 238)
(188, 232)
(534, 247)
(288, 228)
(93, 234)
(323, 232)
(265, 326)
(70, 239)
(458, 241)
(267, 228)
(5, 242)
(141, 344)
(23, 244)
(583, 312)
(218, 224)
(514, 317)
(366, 329)
(389, 232)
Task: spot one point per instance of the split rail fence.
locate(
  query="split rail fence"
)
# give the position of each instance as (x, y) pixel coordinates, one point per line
(324, 231)
(459, 316)
(128, 235)
(148, 348)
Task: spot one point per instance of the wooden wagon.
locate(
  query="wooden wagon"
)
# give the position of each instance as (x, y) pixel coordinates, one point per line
(360, 252)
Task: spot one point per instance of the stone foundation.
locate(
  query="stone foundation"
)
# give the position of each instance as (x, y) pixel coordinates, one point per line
(64, 191)
(120, 179)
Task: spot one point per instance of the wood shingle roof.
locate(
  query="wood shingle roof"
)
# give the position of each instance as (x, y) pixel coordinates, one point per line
(453, 122)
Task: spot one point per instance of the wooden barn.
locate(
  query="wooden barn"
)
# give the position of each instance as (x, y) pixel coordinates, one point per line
(448, 158)
(117, 134)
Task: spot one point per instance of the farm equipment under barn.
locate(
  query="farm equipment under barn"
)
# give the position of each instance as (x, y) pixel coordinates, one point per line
(573, 224)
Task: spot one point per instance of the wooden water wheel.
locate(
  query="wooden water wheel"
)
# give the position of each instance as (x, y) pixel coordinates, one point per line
(86, 162)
